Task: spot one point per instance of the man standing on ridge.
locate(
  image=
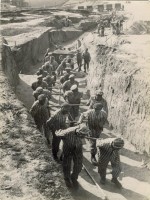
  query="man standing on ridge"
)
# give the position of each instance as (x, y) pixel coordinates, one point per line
(86, 58)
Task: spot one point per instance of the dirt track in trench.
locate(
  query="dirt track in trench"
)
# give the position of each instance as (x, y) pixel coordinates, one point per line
(136, 181)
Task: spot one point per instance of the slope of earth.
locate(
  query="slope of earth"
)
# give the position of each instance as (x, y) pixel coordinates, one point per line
(27, 170)
(121, 67)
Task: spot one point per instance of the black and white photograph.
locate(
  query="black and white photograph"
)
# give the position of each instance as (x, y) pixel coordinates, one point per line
(75, 100)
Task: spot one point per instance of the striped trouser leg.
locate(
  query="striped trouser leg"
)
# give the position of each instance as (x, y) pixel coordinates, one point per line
(67, 158)
(71, 114)
(46, 133)
(77, 159)
(55, 144)
(103, 160)
(93, 148)
(115, 164)
(102, 167)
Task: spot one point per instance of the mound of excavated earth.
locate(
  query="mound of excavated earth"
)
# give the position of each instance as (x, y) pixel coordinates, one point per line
(27, 169)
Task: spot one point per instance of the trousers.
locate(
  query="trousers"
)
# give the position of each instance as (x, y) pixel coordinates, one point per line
(74, 112)
(86, 65)
(79, 63)
(72, 153)
(106, 157)
(95, 134)
(55, 144)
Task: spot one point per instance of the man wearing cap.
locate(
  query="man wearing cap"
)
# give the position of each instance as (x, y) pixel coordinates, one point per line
(73, 96)
(40, 91)
(48, 68)
(40, 113)
(37, 92)
(50, 72)
(44, 74)
(62, 66)
(55, 123)
(72, 150)
(49, 80)
(39, 83)
(79, 60)
(67, 85)
(70, 62)
(98, 98)
(66, 75)
(64, 78)
(60, 59)
(54, 63)
(109, 152)
(96, 119)
(39, 72)
(68, 70)
(86, 57)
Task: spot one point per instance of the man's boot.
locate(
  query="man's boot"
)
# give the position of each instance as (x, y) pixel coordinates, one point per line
(93, 160)
(75, 183)
(55, 157)
(61, 157)
(116, 182)
(103, 180)
(68, 183)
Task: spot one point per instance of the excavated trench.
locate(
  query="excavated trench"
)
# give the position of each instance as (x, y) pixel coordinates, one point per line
(126, 93)
(33, 173)
(31, 52)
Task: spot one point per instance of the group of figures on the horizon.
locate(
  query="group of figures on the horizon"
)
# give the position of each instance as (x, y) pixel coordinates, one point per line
(113, 22)
(67, 124)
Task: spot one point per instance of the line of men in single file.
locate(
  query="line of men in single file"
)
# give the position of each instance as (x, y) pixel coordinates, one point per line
(63, 124)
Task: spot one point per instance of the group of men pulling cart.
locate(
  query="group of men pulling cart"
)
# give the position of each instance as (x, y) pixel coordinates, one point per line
(67, 124)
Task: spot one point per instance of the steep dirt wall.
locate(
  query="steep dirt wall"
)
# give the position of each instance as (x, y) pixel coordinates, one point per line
(31, 52)
(8, 64)
(60, 36)
(126, 87)
(28, 170)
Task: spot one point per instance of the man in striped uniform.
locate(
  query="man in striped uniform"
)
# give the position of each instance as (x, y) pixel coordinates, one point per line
(40, 112)
(98, 98)
(73, 96)
(57, 122)
(67, 85)
(39, 83)
(96, 119)
(72, 150)
(109, 152)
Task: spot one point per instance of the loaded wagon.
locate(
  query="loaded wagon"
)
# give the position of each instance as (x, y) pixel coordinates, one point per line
(100, 8)
(90, 8)
(109, 7)
(62, 52)
(118, 6)
(80, 7)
